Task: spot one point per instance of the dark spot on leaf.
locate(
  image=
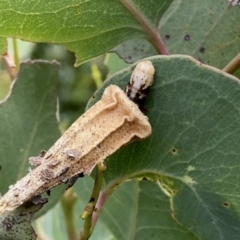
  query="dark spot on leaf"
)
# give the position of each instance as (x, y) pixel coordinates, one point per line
(202, 49)
(174, 151)
(48, 193)
(167, 36)
(225, 204)
(187, 37)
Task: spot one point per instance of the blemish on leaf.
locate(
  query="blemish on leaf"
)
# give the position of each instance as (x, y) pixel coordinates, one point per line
(174, 192)
(167, 36)
(226, 204)
(174, 151)
(187, 37)
(202, 49)
(190, 168)
(188, 180)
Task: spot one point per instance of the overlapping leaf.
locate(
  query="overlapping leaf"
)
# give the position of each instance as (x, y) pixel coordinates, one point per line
(85, 27)
(28, 122)
(206, 30)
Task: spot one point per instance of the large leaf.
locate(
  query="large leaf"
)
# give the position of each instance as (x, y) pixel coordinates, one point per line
(85, 27)
(28, 121)
(194, 151)
(206, 30)
(140, 210)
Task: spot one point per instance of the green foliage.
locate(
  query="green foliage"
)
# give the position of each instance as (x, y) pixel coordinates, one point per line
(17, 224)
(83, 27)
(194, 112)
(190, 163)
(28, 121)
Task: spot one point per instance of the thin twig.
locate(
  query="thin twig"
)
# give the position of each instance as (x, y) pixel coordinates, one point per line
(10, 66)
(15, 52)
(152, 32)
(233, 66)
(89, 209)
(101, 200)
(68, 201)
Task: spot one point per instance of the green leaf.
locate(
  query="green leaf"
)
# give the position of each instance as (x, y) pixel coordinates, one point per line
(17, 224)
(142, 211)
(114, 63)
(87, 28)
(194, 111)
(28, 120)
(134, 50)
(206, 30)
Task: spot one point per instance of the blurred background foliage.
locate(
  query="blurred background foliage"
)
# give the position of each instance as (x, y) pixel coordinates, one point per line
(75, 85)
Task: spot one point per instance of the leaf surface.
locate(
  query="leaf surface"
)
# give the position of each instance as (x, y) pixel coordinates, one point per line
(28, 121)
(193, 151)
(85, 27)
(205, 30)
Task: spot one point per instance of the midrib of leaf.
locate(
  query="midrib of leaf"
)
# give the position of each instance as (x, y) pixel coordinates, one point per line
(152, 32)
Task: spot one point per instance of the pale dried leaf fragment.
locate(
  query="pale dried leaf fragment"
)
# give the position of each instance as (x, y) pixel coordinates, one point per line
(104, 128)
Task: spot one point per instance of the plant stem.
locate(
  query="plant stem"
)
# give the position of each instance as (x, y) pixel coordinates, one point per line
(89, 209)
(233, 66)
(96, 75)
(15, 52)
(10, 65)
(101, 200)
(151, 31)
(68, 201)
